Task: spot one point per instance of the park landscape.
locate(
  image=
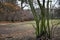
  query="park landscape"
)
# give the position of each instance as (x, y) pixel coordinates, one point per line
(17, 23)
(25, 30)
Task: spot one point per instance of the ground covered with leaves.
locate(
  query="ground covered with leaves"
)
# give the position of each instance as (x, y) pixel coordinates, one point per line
(22, 31)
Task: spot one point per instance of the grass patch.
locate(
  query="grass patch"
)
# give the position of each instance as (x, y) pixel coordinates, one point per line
(54, 22)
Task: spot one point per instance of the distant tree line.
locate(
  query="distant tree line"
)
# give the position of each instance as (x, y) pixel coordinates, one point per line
(9, 1)
(11, 12)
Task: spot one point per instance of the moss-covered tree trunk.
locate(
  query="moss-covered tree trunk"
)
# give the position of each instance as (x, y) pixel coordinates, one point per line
(41, 29)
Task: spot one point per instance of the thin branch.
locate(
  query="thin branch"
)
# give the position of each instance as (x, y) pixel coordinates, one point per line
(54, 4)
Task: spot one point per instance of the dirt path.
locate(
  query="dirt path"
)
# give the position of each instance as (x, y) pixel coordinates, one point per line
(16, 30)
(22, 31)
(57, 33)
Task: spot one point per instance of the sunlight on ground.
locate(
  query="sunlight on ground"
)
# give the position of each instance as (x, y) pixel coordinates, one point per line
(29, 23)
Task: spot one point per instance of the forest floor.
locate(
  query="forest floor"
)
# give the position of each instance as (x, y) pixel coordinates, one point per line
(23, 31)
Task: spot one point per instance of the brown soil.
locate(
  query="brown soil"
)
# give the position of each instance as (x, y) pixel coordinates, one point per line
(22, 33)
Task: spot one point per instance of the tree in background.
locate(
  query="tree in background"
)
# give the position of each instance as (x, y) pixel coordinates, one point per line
(59, 3)
(9, 12)
(9, 1)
